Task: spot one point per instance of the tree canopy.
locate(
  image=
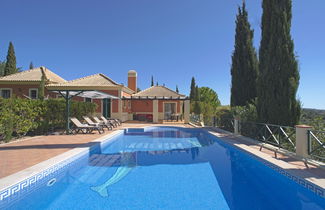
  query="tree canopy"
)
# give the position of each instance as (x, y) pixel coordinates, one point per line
(278, 79)
(193, 89)
(2, 68)
(206, 102)
(31, 65)
(244, 69)
(10, 67)
(209, 96)
(41, 88)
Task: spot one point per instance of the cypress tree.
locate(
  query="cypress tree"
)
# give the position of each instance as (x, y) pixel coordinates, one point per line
(177, 91)
(193, 89)
(197, 108)
(41, 87)
(157, 84)
(31, 65)
(244, 67)
(279, 75)
(197, 93)
(197, 104)
(11, 61)
(2, 68)
(152, 83)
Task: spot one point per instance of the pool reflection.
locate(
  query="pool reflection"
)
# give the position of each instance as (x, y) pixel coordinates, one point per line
(245, 182)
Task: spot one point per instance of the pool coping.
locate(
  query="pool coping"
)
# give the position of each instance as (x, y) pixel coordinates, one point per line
(12, 180)
(315, 184)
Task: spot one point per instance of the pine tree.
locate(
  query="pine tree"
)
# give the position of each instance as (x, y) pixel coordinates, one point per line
(11, 61)
(152, 83)
(41, 87)
(177, 91)
(244, 67)
(279, 75)
(192, 93)
(31, 65)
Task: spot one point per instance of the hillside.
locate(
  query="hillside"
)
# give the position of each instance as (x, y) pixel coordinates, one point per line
(313, 117)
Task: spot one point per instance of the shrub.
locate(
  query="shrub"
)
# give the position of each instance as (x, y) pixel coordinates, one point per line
(21, 116)
(9, 128)
(246, 113)
(224, 118)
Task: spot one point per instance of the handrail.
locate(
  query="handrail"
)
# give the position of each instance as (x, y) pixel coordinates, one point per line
(280, 136)
(283, 137)
(269, 124)
(316, 152)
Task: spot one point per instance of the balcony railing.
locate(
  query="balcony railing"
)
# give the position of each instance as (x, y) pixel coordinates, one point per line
(316, 144)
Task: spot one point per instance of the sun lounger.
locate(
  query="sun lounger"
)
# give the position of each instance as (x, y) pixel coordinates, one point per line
(84, 128)
(107, 125)
(119, 122)
(113, 122)
(90, 122)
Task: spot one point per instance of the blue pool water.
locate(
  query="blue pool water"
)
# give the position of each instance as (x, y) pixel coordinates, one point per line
(168, 168)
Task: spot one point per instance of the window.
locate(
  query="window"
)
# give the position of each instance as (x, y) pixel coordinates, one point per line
(33, 93)
(88, 100)
(5, 93)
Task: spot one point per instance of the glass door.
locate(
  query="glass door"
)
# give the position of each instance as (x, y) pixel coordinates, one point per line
(169, 109)
(106, 107)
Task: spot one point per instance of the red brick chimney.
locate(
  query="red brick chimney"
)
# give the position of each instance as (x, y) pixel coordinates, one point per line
(132, 80)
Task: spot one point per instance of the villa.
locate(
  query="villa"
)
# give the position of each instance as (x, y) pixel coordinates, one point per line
(154, 104)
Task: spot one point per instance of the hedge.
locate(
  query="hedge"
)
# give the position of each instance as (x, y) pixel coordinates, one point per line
(19, 117)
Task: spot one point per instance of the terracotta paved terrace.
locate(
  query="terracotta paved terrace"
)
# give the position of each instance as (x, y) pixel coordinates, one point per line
(23, 154)
(19, 155)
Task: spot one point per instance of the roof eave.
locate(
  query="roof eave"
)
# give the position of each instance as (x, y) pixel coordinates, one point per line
(80, 87)
(127, 90)
(19, 82)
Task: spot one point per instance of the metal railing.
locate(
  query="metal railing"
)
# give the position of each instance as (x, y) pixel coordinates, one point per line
(225, 124)
(281, 136)
(316, 144)
(195, 119)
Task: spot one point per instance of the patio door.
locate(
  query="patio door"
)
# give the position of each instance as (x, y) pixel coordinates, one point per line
(106, 107)
(169, 109)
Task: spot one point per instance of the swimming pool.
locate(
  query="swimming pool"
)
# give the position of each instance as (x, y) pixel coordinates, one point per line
(165, 168)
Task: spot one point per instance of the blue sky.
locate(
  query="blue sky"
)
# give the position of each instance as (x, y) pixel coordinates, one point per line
(172, 40)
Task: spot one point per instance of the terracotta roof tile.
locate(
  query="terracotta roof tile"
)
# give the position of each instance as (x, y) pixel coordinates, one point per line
(34, 75)
(158, 91)
(92, 80)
